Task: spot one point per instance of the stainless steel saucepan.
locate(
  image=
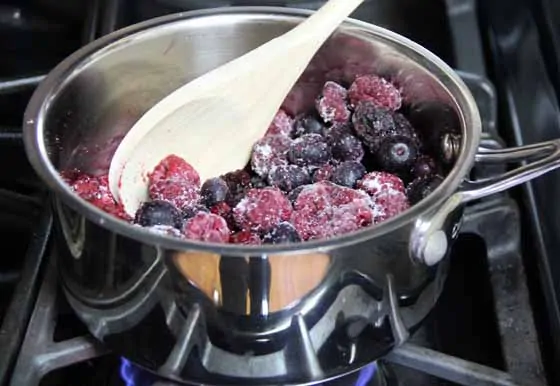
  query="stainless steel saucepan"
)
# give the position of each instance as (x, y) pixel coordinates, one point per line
(230, 314)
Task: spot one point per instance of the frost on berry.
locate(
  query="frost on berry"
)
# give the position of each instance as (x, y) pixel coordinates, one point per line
(175, 181)
(282, 124)
(262, 209)
(375, 89)
(324, 210)
(268, 153)
(332, 103)
(387, 193)
(206, 227)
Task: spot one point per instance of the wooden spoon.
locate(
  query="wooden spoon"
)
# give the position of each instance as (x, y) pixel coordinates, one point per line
(213, 121)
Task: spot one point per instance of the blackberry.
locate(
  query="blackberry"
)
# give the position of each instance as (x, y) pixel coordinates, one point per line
(238, 182)
(192, 211)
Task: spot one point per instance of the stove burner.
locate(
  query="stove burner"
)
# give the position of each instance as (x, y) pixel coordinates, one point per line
(366, 375)
(132, 375)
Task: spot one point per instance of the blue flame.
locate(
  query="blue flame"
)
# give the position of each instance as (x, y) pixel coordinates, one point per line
(366, 374)
(127, 373)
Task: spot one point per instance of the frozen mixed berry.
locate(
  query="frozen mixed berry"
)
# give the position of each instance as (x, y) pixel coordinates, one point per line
(348, 173)
(206, 227)
(288, 177)
(165, 230)
(424, 166)
(282, 124)
(268, 153)
(262, 209)
(258, 182)
(282, 233)
(375, 89)
(348, 148)
(174, 180)
(158, 213)
(324, 210)
(387, 193)
(421, 187)
(95, 189)
(175, 168)
(222, 209)
(238, 182)
(213, 191)
(324, 173)
(245, 238)
(293, 195)
(397, 154)
(311, 150)
(334, 132)
(193, 211)
(308, 124)
(332, 104)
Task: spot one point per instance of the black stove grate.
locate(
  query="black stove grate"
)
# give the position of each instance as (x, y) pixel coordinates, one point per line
(38, 350)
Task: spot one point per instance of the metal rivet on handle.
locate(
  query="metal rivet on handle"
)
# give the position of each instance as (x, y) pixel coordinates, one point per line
(436, 248)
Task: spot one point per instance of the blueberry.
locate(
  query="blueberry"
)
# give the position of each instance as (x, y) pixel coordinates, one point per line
(158, 213)
(421, 187)
(348, 148)
(424, 166)
(282, 233)
(309, 150)
(213, 191)
(308, 125)
(348, 173)
(257, 182)
(373, 124)
(334, 132)
(288, 177)
(192, 211)
(397, 154)
(293, 195)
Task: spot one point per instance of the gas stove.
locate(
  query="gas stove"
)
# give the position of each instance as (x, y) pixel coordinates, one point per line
(497, 321)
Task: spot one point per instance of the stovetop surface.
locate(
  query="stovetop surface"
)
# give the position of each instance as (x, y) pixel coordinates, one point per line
(484, 315)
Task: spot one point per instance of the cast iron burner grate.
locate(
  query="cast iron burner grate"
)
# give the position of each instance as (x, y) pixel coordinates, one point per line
(36, 348)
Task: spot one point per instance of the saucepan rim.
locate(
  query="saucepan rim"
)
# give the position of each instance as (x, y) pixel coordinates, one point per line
(47, 91)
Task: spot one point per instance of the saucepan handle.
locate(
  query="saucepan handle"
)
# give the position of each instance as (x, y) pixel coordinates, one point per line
(433, 232)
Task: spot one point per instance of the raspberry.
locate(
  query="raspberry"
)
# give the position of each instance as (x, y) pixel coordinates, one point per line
(331, 104)
(96, 191)
(262, 209)
(310, 150)
(177, 169)
(268, 153)
(245, 238)
(174, 180)
(288, 177)
(207, 227)
(281, 125)
(324, 173)
(222, 209)
(324, 210)
(387, 193)
(238, 182)
(375, 89)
